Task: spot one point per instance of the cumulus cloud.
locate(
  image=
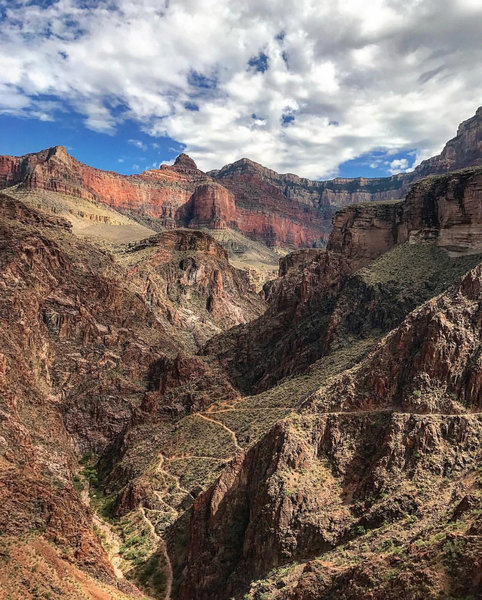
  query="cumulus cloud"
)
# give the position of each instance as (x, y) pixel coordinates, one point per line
(297, 85)
(399, 165)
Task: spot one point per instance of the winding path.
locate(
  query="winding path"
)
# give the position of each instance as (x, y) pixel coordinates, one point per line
(230, 431)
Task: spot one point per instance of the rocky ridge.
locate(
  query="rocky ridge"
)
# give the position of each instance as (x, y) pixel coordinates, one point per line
(378, 445)
(82, 341)
(464, 150)
(168, 197)
(309, 485)
(277, 209)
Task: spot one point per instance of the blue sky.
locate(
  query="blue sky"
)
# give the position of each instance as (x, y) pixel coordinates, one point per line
(321, 89)
(128, 150)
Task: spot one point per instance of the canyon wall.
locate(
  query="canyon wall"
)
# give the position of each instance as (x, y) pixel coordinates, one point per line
(175, 195)
(277, 209)
(445, 210)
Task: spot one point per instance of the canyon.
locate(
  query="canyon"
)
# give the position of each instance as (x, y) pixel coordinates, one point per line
(275, 209)
(175, 427)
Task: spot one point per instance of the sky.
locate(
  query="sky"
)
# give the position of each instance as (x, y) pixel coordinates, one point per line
(321, 88)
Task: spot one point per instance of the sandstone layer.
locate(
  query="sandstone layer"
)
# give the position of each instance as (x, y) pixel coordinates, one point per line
(171, 196)
(445, 210)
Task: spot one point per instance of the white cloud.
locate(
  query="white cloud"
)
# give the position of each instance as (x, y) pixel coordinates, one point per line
(138, 144)
(356, 76)
(399, 165)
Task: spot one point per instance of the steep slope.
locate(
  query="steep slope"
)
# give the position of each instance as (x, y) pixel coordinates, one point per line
(171, 196)
(65, 316)
(324, 316)
(82, 342)
(304, 304)
(187, 275)
(340, 488)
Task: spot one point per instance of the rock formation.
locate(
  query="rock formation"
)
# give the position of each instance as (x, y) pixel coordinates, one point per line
(171, 196)
(82, 341)
(187, 276)
(212, 206)
(322, 480)
(464, 150)
(443, 209)
(166, 432)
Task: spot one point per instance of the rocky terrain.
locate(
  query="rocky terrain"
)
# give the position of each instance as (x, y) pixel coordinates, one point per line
(168, 197)
(168, 432)
(275, 209)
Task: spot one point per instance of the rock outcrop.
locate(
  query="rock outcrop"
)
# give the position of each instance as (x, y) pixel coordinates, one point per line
(187, 276)
(364, 231)
(464, 150)
(355, 459)
(444, 210)
(171, 196)
(211, 206)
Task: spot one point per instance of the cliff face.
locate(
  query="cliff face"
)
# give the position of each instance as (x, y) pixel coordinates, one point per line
(364, 231)
(464, 150)
(323, 195)
(82, 343)
(187, 276)
(177, 195)
(212, 206)
(158, 192)
(445, 210)
(356, 458)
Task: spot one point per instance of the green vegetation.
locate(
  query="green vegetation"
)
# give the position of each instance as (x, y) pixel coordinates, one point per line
(424, 268)
(197, 436)
(151, 575)
(194, 472)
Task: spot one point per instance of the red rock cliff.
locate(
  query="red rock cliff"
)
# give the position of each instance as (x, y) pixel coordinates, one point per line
(177, 195)
(211, 205)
